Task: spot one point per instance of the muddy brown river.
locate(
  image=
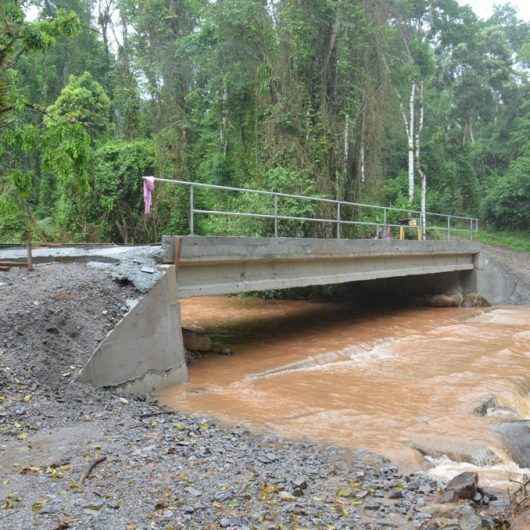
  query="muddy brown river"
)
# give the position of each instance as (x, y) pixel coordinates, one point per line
(385, 380)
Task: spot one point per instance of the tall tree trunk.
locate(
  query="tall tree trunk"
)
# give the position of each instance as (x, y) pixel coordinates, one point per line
(346, 147)
(362, 154)
(423, 176)
(224, 121)
(29, 248)
(411, 127)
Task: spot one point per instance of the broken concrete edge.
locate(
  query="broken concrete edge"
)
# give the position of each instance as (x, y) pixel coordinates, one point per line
(137, 265)
(153, 381)
(102, 253)
(145, 351)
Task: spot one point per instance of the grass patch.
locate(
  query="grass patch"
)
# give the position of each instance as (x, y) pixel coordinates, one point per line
(513, 240)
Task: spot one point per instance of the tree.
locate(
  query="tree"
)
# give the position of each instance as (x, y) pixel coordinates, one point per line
(74, 122)
(19, 37)
(118, 187)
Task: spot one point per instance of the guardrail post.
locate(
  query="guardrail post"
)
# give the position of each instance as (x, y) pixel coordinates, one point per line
(448, 228)
(385, 220)
(275, 215)
(471, 228)
(192, 211)
(338, 220)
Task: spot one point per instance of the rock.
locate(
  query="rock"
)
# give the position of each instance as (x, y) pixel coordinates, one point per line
(469, 519)
(196, 342)
(444, 300)
(286, 496)
(516, 438)
(475, 300)
(455, 449)
(462, 487)
(396, 494)
(300, 483)
(491, 407)
(456, 516)
(488, 404)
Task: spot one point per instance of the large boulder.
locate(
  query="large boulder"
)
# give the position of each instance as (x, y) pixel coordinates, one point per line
(196, 342)
(516, 439)
(462, 487)
(475, 300)
(444, 300)
(456, 449)
(490, 407)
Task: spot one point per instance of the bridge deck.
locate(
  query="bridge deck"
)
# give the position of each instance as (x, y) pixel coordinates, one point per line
(227, 265)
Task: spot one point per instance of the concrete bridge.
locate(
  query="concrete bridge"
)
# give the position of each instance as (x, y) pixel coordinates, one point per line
(145, 352)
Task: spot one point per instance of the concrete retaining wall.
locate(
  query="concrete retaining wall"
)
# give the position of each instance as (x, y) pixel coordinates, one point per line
(145, 351)
(498, 282)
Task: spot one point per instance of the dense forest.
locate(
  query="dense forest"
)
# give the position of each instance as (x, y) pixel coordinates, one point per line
(377, 101)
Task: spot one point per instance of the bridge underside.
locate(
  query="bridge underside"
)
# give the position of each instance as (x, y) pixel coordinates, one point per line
(145, 351)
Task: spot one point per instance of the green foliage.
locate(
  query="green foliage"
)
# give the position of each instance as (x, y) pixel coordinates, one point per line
(299, 97)
(19, 37)
(508, 201)
(16, 214)
(118, 184)
(73, 122)
(82, 102)
(500, 238)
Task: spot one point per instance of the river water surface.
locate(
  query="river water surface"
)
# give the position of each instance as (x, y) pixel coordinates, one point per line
(378, 379)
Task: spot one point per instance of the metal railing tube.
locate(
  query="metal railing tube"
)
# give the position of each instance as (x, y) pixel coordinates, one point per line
(192, 211)
(471, 222)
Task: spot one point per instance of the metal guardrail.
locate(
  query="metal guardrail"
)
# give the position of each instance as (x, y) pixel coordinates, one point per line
(450, 224)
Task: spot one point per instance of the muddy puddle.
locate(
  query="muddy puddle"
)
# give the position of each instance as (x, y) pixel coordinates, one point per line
(402, 382)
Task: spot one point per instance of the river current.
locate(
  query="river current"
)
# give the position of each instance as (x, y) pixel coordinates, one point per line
(389, 380)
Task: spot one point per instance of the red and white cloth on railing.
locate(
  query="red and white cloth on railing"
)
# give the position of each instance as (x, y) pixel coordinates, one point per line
(149, 187)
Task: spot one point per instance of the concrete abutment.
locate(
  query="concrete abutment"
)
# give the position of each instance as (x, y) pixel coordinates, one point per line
(145, 351)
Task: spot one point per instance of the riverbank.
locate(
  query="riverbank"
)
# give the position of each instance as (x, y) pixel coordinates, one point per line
(75, 457)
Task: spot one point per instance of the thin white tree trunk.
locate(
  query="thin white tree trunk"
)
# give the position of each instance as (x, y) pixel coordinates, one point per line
(224, 122)
(363, 163)
(29, 254)
(423, 176)
(346, 145)
(363, 148)
(410, 133)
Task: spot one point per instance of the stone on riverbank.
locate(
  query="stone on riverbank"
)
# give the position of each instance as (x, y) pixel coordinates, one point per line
(475, 300)
(456, 449)
(196, 342)
(444, 300)
(462, 487)
(516, 438)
